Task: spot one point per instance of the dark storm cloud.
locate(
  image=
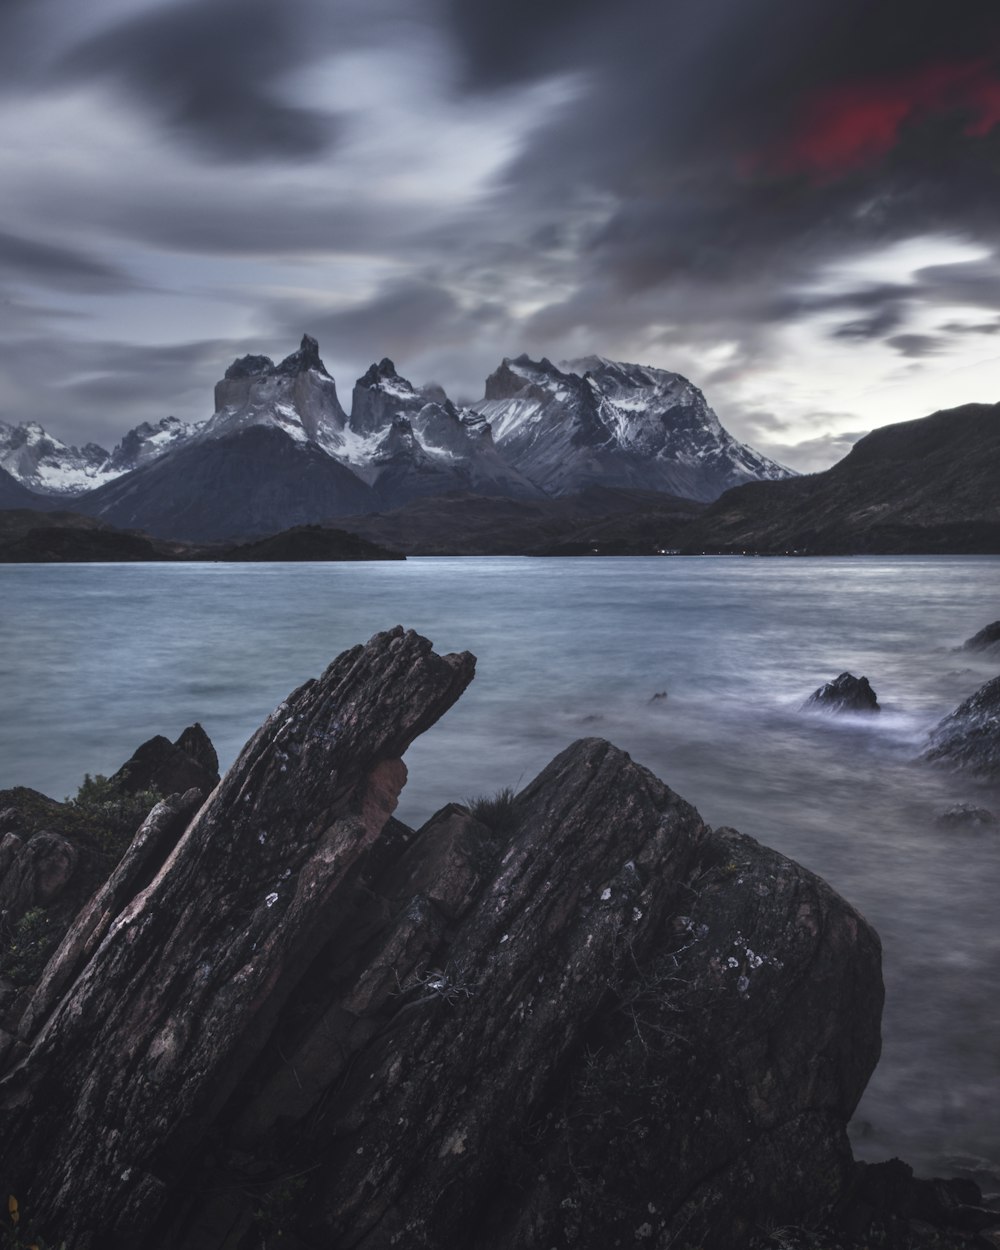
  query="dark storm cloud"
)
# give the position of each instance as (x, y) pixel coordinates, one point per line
(874, 327)
(961, 327)
(57, 267)
(753, 142)
(211, 69)
(97, 390)
(400, 320)
(917, 346)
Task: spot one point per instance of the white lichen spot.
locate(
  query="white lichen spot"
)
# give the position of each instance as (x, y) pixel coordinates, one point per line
(636, 913)
(360, 1150)
(732, 963)
(743, 984)
(127, 1174)
(644, 1231)
(504, 938)
(651, 1208)
(605, 894)
(262, 837)
(271, 899)
(454, 1145)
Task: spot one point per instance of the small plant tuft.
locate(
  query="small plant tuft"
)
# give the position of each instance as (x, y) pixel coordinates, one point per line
(496, 811)
(32, 941)
(109, 814)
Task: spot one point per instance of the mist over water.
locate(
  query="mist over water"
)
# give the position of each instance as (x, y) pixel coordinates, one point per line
(96, 658)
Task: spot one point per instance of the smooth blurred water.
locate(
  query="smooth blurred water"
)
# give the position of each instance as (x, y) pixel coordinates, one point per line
(96, 658)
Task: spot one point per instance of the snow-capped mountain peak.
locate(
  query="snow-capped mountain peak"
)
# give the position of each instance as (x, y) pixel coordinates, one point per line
(596, 420)
(297, 396)
(44, 463)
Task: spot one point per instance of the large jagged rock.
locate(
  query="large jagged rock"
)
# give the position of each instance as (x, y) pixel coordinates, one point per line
(105, 1116)
(596, 1023)
(845, 693)
(969, 738)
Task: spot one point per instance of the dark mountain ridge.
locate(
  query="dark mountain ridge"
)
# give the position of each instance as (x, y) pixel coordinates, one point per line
(922, 486)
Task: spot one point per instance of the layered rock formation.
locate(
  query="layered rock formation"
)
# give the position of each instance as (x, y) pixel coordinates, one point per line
(598, 1022)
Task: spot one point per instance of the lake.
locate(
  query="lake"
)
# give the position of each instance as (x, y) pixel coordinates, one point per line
(96, 658)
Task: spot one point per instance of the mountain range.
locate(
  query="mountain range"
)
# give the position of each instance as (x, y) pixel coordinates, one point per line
(280, 450)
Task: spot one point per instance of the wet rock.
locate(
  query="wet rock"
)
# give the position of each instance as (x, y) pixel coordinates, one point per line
(967, 816)
(887, 1194)
(969, 738)
(600, 1023)
(845, 693)
(988, 639)
(171, 767)
(143, 1051)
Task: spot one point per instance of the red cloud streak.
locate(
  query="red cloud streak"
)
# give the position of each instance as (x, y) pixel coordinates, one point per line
(855, 124)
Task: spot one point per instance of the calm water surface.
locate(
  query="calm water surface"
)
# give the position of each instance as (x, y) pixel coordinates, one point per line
(96, 658)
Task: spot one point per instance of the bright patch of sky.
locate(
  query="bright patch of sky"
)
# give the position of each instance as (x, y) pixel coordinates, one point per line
(815, 385)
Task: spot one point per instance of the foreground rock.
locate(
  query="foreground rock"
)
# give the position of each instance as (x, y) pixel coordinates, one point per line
(595, 1022)
(54, 856)
(969, 738)
(845, 693)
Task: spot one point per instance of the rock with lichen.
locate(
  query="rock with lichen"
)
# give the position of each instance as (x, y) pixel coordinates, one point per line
(596, 1021)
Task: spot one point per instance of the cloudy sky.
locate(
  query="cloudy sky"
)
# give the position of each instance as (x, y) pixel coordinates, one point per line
(793, 202)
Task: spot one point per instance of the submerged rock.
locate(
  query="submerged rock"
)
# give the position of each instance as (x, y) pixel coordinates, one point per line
(845, 693)
(988, 639)
(967, 816)
(596, 1022)
(969, 738)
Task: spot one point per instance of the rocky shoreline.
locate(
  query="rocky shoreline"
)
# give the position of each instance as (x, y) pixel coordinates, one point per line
(577, 1016)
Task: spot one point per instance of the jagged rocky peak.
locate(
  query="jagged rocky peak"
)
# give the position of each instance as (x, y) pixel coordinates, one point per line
(297, 396)
(515, 375)
(45, 464)
(250, 367)
(379, 394)
(306, 358)
(147, 442)
(384, 376)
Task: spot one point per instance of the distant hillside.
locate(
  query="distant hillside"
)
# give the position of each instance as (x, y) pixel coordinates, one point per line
(600, 520)
(14, 495)
(924, 486)
(310, 542)
(28, 537)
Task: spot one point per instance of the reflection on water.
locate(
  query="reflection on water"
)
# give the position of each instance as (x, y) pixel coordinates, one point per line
(93, 659)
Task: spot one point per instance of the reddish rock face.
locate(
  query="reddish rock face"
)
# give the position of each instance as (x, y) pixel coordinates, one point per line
(602, 1024)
